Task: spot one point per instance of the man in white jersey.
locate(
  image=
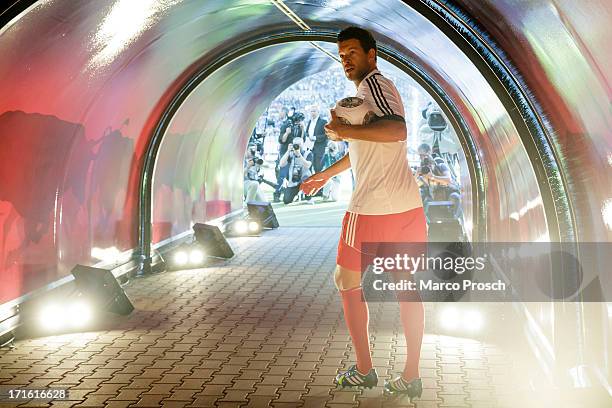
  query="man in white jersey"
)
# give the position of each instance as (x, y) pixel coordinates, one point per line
(385, 207)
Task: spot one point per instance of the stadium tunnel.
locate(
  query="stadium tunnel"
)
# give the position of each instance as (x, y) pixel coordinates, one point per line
(107, 108)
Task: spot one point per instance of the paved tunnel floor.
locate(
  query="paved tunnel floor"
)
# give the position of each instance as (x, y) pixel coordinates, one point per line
(263, 329)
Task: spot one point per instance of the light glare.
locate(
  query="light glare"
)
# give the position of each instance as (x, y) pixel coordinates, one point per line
(106, 255)
(51, 317)
(79, 314)
(606, 213)
(253, 226)
(181, 258)
(196, 256)
(241, 227)
(449, 318)
(472, 320)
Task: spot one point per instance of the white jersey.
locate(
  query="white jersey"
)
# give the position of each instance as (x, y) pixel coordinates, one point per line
(384, 183)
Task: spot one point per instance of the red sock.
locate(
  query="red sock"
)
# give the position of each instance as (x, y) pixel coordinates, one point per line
(356, 316)
(412, 315)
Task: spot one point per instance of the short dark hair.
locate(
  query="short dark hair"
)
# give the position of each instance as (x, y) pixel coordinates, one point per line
(365, 38)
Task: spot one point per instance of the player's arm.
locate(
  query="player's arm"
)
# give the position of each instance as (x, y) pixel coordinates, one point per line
(314, 183)
(387, 129)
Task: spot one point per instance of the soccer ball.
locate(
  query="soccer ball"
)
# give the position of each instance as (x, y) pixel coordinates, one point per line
(354, 111)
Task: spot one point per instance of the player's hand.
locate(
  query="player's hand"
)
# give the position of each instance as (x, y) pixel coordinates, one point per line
(314, 183)
(334, 127)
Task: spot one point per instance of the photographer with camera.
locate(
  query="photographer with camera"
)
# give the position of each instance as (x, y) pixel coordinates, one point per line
(298, 162)
(251, 152)
(252, 179)
(435, 181)
(296, 120)
(292, 127)
(285, 132)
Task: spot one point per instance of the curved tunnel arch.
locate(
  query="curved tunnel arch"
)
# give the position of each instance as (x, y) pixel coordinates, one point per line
(269, 39)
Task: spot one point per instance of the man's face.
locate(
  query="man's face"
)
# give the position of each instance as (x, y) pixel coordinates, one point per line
(423, 154)
(283, 115)
(313, 113)
(355, 61)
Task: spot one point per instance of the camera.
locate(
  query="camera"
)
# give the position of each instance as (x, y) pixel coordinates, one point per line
(296, 176)
(436, 121)
(426, 166)
(295, 117)
(258, 161)
(296, 146)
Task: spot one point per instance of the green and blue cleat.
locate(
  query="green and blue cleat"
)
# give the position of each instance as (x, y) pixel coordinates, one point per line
(354, 379)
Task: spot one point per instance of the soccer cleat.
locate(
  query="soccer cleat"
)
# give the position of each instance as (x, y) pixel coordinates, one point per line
(353, 378)
(399, 386)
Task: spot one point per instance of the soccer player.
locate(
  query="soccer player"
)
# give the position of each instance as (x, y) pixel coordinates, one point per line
(385, 207)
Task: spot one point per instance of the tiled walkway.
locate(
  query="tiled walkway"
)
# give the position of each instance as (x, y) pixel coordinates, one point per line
(263, 329)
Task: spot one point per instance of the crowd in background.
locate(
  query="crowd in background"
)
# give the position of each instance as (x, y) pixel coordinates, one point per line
(289, 137)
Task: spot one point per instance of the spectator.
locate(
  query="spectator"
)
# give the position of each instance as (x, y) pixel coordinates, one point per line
(298, 161)
(436, 182)
(251, 152)
(296, 120)
(283, 141)
(252, 175)
(316, 136)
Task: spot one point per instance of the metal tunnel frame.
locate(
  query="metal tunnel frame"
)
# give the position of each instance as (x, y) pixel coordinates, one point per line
(482, 51)
(526, 113)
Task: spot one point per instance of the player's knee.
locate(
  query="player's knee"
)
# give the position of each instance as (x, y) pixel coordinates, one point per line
(346, 279)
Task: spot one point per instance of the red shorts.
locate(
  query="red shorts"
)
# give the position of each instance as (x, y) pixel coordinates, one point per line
(408, 226)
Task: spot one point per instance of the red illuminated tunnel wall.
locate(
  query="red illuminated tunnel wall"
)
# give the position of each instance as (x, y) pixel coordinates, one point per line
(84, 85)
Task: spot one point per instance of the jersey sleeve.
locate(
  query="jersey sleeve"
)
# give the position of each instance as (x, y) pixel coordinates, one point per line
(383, 94)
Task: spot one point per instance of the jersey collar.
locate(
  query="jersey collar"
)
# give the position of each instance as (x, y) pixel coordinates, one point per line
(372, 72)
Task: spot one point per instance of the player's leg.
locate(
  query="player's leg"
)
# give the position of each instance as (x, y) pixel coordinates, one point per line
(356, 315)
(412, 313)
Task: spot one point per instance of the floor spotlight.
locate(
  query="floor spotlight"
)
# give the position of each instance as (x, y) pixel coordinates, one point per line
(62, 315)
(212, 241)
(186, 256)
(52, 317)
(78, 313)
(240, 227)
(196, 256)
(100, 287)
(254, 227)
(181, 257)
(263, 213)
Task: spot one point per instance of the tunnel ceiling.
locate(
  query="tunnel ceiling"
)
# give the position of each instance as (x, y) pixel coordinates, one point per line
(102, 74)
